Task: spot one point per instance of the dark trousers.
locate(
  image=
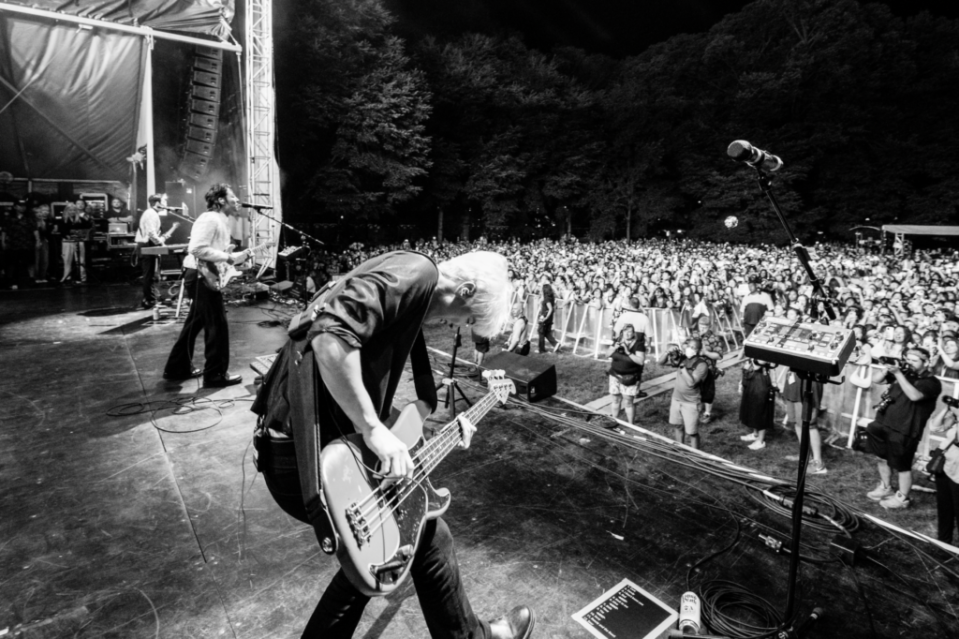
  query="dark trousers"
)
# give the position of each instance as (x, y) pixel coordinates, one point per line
(20, 262)
(148, 267)
(545, 331)
(208, 314)
(434, 571)
(947, 506)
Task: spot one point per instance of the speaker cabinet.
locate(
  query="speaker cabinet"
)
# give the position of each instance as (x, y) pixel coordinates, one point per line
(206, 78)
(206, 93)
(203, 120)
(534, 379)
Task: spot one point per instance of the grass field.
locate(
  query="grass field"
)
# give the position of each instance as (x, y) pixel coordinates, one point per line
(850, 476)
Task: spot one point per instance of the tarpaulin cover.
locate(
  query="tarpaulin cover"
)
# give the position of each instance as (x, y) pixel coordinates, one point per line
(75, 115)
(212, 17)
(916, 229)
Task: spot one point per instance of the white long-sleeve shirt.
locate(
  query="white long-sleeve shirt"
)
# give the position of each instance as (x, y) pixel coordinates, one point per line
(210, 238)
(149, 229)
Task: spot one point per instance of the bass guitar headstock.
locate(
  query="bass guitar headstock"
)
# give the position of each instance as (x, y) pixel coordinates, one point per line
(499, 384)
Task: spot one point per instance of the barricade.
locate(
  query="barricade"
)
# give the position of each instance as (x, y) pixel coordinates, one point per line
(588, 331)
(849, 407)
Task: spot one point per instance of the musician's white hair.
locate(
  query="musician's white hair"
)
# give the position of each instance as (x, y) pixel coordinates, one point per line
(489, 272)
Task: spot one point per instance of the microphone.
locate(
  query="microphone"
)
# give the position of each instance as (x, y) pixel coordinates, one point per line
(743, 151)
(258, 207)
(172, 208)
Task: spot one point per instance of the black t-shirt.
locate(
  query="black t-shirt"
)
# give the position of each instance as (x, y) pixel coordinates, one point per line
(906, 416)
(379, 308)
(622, 364)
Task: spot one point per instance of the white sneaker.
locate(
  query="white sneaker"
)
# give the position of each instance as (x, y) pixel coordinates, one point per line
(751, 437)
(817, 468)
(880, 492)
(757, 445)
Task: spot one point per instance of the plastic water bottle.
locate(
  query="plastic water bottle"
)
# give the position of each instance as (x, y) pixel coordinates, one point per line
(690, 614)
(156, 313)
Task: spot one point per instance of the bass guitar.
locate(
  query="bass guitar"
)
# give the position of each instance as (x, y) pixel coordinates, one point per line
(378, 523)
(216, 275)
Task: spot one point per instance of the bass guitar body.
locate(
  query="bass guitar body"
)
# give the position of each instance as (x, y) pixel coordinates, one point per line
(379, 524)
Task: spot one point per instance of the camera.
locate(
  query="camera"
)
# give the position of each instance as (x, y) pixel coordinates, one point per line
(885, 400)
(889, 361)
(951, 402)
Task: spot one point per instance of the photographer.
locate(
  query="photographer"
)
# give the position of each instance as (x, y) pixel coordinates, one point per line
(628, 355)
(684, 407)
(947, 482)
(895, 433)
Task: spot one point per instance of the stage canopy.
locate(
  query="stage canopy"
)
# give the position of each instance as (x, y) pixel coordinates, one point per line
(70, 95)
(211, 17)
(919, 229)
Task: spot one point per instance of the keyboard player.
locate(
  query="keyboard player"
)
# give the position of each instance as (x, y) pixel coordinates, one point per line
(148, 234)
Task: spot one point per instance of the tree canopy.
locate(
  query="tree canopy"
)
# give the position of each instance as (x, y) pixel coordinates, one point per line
(499, 137)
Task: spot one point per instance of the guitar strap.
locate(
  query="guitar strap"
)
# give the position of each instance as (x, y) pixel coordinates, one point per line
(304, 422)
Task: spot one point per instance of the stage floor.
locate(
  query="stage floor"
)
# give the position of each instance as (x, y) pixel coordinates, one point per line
(156, 524)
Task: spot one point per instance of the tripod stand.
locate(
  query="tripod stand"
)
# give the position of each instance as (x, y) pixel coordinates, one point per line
(452, 388)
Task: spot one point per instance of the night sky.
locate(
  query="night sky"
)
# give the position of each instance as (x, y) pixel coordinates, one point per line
(614, 27)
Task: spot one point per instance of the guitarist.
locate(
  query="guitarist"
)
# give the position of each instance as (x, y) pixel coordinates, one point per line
(209, 241)
(148, 234)
(360, 333)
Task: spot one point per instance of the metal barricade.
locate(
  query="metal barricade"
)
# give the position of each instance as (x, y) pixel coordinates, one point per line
(849, 407)
(587, 331)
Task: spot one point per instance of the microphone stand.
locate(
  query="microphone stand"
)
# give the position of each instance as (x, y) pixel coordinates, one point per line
(807, 379)
(452, 388)
(259, 211)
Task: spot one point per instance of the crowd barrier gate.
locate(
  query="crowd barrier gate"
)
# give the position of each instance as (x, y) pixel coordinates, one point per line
(588, 331)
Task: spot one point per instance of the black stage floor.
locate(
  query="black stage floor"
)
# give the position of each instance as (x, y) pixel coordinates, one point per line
(156, 524)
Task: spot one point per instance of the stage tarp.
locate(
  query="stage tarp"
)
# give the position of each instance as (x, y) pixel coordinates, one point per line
(68, 99)
(917, 229)
(212, 17)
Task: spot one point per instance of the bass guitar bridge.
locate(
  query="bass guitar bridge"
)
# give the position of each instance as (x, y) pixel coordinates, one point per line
(358, 525)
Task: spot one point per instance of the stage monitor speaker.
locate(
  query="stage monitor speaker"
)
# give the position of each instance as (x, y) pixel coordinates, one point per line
(534, 379)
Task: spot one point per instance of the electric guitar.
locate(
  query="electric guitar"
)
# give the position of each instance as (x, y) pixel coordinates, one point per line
(216, 275)
(379, 524)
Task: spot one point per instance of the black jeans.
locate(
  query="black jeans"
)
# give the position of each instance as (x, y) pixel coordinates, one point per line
(148, 267)
(208, 314)
(434, 571)
(947, 506)
(545, 331)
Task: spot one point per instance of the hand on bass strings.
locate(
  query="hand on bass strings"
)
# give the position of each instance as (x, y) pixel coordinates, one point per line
(467, 429)
(394, 456)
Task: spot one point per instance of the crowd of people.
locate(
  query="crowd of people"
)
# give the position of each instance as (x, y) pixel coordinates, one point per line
(901, 309)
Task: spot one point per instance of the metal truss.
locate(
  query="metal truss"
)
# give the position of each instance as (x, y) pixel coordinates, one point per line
(264, 173)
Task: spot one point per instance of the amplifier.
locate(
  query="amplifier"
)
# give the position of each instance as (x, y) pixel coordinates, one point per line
(812, 348)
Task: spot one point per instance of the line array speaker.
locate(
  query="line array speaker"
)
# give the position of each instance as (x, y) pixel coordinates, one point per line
(203, 105)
